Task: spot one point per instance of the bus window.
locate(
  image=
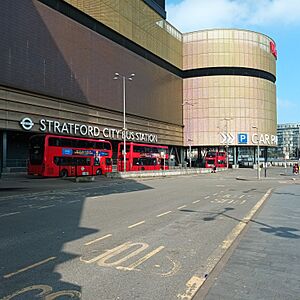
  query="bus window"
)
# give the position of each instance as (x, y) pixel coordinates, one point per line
(97, 161)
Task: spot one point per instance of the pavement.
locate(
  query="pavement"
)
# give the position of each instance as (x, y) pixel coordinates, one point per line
(266, 262)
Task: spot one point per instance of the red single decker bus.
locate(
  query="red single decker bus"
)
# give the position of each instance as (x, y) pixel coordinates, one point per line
(141, 157)
(215, 159)
(53, 156)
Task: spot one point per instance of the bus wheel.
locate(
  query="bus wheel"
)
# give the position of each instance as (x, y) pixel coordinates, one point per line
(98, 172)
(63, 173)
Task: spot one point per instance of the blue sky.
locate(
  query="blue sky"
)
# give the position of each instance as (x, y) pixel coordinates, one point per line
(279, 19)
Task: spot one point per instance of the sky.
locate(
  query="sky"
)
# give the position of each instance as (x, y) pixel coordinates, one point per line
(279, 19)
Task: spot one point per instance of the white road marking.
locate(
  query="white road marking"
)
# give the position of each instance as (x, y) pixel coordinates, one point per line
(29, 267)
(73, 201)
(206, 197)
(215, 194)
(180, 207)
(163, 214)
(98, 239)
(47, 206)
(136, 224)
(10, 214)
(196, 201)
(242, 196)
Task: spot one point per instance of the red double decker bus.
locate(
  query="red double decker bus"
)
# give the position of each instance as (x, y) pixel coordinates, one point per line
(53, 156)
(141, 157)
(215, 159)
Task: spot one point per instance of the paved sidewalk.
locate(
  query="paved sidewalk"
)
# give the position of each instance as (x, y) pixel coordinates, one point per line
(266, 262)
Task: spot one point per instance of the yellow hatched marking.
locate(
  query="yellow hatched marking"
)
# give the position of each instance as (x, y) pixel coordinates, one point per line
(29, 267)
(163, 214)
(98, 239)
(136, 224)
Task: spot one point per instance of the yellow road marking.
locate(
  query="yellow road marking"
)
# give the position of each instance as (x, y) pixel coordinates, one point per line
(142, 259)
(29, 267)
(196, 201)
(206, 197)
(98, 239)
(192, 287)
(163, 214)
(10, 214)
(136, 224)
(195, 283)
(180, 207)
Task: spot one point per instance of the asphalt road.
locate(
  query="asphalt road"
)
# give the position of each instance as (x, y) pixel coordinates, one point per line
(122, 239)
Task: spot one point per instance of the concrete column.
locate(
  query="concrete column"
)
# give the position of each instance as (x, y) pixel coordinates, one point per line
(4, 150)
(182, 150)
(234, 156)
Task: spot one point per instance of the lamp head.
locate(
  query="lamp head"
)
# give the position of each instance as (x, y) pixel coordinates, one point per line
(131, 76)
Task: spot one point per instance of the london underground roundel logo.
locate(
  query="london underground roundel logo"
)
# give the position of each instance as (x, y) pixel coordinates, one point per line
(26, 123)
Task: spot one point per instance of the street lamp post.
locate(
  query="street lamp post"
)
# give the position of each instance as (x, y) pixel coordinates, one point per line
(118, 76)
(227, 141)
(188, 102)
(258, 167)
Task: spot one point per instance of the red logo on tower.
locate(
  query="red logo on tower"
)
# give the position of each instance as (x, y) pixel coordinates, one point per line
(273, 49)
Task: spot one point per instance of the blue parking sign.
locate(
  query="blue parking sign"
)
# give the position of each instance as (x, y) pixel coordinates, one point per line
(243, 138)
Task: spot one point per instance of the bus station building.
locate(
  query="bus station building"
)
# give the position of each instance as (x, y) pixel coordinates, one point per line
(190, 91)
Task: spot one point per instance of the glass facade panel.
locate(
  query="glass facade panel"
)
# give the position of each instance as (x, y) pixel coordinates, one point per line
(138, 22)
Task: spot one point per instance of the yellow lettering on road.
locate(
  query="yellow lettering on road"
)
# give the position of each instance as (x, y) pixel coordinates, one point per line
(143, 259)
(45, 292)
(103, 260)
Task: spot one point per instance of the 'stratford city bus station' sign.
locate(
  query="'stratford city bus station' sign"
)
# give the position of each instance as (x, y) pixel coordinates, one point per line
(57, 127)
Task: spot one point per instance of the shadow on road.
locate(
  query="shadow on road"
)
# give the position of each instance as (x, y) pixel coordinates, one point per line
(37, 242)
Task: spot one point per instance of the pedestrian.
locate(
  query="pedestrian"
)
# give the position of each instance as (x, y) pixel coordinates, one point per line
(214, 169)
(296, 169)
